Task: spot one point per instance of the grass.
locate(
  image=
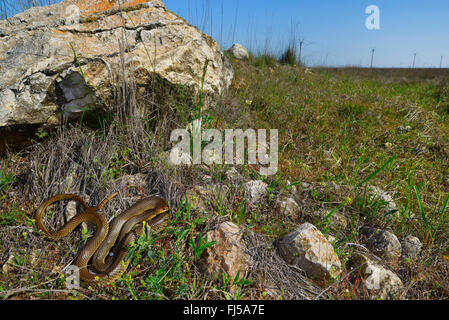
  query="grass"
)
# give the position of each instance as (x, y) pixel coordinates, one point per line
(6, 177)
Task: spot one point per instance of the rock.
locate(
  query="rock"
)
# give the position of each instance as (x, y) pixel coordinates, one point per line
(389, 207)
(308, 249)
(402, 129)
(377, 280)
(39, 75)
(383, 244)
(228, 254)
(255, 191)
(176, 157)
(35, 257)
(233, 176)
(207, 179)
(288, 207)
(291, 188)
(208, 197)
(239, 51)
(411, 247)
(331, 239)
(9, 264)
(305, 185)
(138, 179)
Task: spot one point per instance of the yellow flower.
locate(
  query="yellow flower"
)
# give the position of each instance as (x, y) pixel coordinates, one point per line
(24, 234)
(249, 102)
(348, 201)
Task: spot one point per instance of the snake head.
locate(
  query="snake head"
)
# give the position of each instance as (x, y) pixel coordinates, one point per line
(162, 206)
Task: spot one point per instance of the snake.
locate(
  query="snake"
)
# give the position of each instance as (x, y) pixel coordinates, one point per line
(107, 265)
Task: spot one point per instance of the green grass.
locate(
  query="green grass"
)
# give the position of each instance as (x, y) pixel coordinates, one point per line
(6, 177)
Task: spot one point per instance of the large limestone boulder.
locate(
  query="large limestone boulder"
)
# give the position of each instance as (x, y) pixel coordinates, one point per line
(40, 78)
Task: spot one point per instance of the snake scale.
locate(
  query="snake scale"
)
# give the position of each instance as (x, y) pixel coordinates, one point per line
(107, 265)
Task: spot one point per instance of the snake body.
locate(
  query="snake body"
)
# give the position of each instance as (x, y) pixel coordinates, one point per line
(152, 209)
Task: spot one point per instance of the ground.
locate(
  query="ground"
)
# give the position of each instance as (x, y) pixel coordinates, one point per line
(341, 130)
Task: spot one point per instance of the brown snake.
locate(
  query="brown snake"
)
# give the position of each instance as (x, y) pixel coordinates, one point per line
(153, 209)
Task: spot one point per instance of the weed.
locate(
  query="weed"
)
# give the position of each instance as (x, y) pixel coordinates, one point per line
(200, 245)
(6, 177)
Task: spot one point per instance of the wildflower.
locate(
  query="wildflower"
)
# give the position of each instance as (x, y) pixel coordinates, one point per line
(348, 201)
(249, 102)
(24, 234)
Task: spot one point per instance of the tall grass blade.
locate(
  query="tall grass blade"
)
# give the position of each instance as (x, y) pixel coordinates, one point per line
(375, 173)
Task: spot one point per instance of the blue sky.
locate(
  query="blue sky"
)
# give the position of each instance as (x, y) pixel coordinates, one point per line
(334, 32)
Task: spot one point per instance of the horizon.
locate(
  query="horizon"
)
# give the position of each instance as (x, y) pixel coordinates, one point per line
(334, 34)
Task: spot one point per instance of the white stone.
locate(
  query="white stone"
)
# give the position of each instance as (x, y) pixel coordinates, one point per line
(255, 191)
(379, 281)
(239, 51)
(308, 249)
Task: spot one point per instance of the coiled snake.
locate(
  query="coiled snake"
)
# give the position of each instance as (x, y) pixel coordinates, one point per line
(106, 267)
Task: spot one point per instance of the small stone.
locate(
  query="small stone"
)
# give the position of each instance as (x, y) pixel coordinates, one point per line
(411, 247)
(377, 280)
(291, 188)
(9, 264)
(239, 51)
(308, 249)
(404, 129)
(177, 157)
(383, 244)
(390, 206)
(288, 207)
(228, 254)
(234, 176)
(207, 197)
(255, 191)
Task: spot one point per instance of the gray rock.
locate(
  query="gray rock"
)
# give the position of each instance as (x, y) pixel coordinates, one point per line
(376, 279)
(382, 243)
(228, 254)
(308, 249)
(210, 197)
(411, 247)
(234, 176)
(287, 206)
(255, 191)
(39, 75)
(176, 157)
(239, 51)
(404, 129)
(390, 206)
